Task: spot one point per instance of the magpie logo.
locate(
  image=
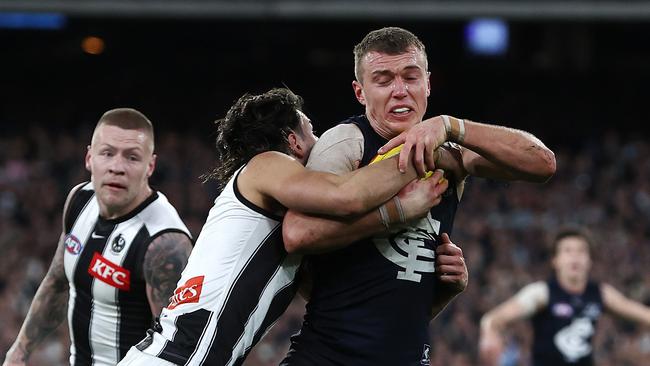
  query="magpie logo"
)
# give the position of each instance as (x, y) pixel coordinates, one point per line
(118, 244)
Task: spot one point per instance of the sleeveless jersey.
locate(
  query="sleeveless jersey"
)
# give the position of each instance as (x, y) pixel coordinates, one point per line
(564, 329)
(108, 309)
(371, 301)
(238, 281)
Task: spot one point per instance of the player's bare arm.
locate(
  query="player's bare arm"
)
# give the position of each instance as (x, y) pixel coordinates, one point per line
(491, 344)
(46, 313)
(619, 305)
(164, 261)
(48, 308)
(273, 176)
(489, 151)
(309, 234)
(529, 300)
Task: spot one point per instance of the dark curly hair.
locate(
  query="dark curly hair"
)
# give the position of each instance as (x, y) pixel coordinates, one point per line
(253, 125)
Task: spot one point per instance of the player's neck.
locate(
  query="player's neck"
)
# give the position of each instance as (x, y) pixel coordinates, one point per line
(112, 213)
(573, 285)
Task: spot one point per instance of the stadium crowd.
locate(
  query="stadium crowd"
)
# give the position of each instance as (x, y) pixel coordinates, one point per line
(602, 183)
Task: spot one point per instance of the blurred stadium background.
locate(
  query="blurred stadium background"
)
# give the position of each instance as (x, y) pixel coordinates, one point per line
(575, 73)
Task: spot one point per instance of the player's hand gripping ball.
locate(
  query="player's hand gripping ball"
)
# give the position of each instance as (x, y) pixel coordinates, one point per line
(394, 151)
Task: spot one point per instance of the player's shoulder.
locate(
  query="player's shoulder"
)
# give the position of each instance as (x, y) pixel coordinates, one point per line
(77, 198)
(161, 216)
(343, 140)
(341, 132)
(265, 158)
(86, 186)
(267, 166)
(538, 286)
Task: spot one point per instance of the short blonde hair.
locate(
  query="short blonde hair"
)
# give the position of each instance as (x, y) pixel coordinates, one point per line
(128, 119)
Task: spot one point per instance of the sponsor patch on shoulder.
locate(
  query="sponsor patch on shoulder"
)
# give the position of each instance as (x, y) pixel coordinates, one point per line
(187, 293)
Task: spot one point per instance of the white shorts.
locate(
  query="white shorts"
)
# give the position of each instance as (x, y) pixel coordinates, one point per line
(135, 357)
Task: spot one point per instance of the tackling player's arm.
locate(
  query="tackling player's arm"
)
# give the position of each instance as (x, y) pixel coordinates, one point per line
(164, 262)
(48, 308)
(619, 305)
(275, 177)
(311, 234)
(489, 151)
(524, 304)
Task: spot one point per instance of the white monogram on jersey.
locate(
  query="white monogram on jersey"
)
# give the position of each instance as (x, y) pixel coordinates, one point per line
(406, 248)
(572, 340)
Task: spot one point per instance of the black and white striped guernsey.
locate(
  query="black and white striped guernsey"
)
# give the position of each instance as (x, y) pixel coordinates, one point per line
(238, 281)
(108, 310)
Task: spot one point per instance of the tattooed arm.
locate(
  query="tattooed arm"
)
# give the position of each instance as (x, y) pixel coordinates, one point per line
(48, 308)
(164, 261)
(47, 311)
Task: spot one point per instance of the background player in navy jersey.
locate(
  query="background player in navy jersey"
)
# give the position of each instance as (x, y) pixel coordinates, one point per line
(120, 253)
(371, 302)
(239, 278)
(564, 309)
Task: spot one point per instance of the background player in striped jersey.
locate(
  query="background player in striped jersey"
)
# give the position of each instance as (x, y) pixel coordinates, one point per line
(121, 251)
(372, 301)
(564, 309)
(239, 278)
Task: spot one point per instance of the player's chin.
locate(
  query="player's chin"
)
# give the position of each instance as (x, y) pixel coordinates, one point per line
(114, 200)
(399, 124)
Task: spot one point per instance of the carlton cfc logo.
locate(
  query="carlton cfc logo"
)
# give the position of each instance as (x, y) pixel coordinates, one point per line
(72, 244)
(189, 292)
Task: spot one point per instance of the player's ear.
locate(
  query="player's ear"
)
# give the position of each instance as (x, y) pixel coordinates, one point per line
(87, 160)
(294, 144)
(358, 92)
(152, 165)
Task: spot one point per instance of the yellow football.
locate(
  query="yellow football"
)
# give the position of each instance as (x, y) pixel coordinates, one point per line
(394, 151)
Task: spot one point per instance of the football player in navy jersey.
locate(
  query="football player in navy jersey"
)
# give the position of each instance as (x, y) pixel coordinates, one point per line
(564, 309)
(121, 250)
(371, 302)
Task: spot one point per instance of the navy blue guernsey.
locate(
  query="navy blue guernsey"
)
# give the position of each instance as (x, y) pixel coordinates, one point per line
(564, 329)
(371, 301)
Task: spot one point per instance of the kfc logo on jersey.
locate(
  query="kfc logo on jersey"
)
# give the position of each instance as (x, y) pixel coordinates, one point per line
(72, 244)
(109, 272)
(189, 292)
